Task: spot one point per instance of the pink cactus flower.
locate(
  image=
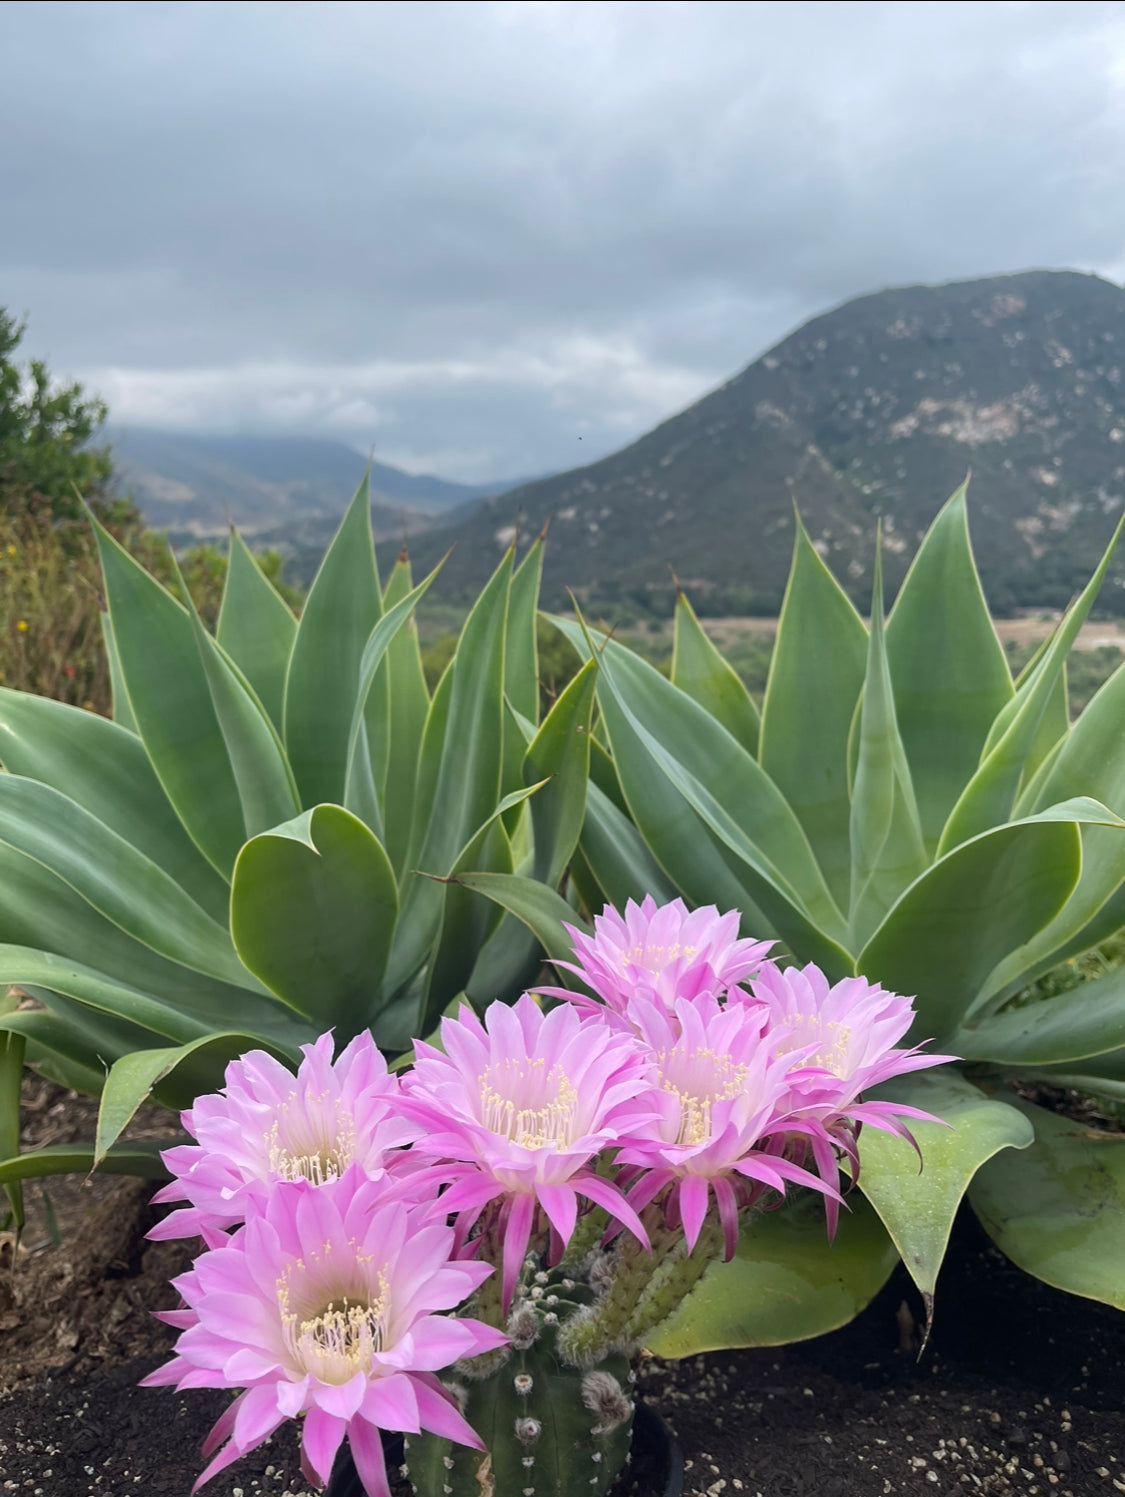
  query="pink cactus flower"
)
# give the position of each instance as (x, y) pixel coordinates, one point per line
(848, 1031)
(524, 1102)
(660, 954)
(842, 1038)
(720, 1085)
(268, 1125)
(323, 1305)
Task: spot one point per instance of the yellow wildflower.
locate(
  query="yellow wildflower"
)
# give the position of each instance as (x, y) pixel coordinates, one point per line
(22, 626)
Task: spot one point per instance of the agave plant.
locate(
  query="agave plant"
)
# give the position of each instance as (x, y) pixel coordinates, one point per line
(240, 859)
(903, 809)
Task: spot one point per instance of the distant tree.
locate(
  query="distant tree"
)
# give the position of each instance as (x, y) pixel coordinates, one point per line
(45, 429)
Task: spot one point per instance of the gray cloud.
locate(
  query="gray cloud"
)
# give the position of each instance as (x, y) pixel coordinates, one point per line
(473, 234)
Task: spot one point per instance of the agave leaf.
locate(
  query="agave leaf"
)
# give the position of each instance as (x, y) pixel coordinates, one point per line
(265, 782)
(972, 908)
(12, 1047)
(1092, 759)
(105, 768)
(706, 676)
(181, 1073)
(467, 922)
(1026, 678)
(586, 894)
(1103, 1075)
(557, 762)
(171, 704)
(695, 860)
(1053, 728)
(988, 798)
(466, 785)
(141, 1158)
(1058, 1208)
(39, 969)
(113, 877)
(616, 855)
(785, 1283)
(818, 665)
(313, 907)
(544, 912)
(1031, 785)
(410, 703)
(1089, 761)
(886, 835)
(39, 909)
(560, 753)
(361, 795)
(1086, 1021)
(947, 665)
(656, 728)
(70, 1074)
(521, 658)
(79, 993)
(122, 712)
(342, 608)
(429, 764)
(603, 772)
(256, 628)
(521, 661)
(77, 1034)
(917, 1199)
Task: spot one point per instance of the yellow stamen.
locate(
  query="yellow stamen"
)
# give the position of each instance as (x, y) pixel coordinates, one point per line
(722, 1080)
(835, 1040)
(341, 1339)
(531, 1127)
(313, 1159)
(656, 958)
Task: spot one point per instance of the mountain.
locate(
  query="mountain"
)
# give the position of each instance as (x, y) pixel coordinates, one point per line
(294, 488)
(874, 410)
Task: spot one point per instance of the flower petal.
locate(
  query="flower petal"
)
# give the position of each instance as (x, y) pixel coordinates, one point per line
(367, 1452)
(321, 1435)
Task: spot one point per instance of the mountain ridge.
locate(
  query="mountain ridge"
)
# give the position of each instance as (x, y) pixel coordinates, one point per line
(194, 484)
(872, 411)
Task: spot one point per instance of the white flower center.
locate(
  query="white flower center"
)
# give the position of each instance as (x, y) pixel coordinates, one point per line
(655, 958)
(524, 1102)
(698, 1079)
(832, 1039)
(310, 1140)
(346, 1330)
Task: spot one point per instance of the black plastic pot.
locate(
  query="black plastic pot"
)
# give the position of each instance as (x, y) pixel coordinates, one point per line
(656, 1470)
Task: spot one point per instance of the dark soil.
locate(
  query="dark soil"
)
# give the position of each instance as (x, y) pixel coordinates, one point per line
(1021, 1389)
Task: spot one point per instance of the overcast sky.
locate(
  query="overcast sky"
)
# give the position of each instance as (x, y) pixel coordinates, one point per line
(498, 239)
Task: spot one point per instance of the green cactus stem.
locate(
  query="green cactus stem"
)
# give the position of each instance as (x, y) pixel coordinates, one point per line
(550, 1430)
(639, 1289)
(672, 1281)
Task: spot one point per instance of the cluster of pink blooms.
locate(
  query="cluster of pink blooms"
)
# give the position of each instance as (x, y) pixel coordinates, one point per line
(346, 1210)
